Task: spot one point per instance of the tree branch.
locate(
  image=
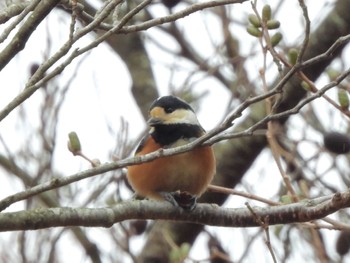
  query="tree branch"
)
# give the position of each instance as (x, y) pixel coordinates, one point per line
(207, 214)
(13, 10)
(20, 39)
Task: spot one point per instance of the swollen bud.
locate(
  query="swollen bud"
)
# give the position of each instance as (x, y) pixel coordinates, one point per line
(273, 24)
(333, 74)
(276, 39)
(178, 254)
(74, 145)
(343, 99)
(254, 20)
(266, 13)
(336, 142)
(252, 30)
(306, 86)
(293, 56)
(286, 199)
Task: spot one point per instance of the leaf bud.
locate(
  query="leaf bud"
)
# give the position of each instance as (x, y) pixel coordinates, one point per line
(343, 99)
(332, 74)
(254, 20)
(273, 24)
(293, 55)
(74, 145)
(276, 39)
(252, 30)
(266, 13)
(286, 199)
(306, 86)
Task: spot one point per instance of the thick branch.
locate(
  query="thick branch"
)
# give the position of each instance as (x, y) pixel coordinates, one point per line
(206, 214)
(11, 11)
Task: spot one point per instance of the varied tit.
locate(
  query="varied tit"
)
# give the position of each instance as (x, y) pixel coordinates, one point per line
(181, 178)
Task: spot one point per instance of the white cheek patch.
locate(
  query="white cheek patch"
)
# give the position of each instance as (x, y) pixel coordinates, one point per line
(183, 116)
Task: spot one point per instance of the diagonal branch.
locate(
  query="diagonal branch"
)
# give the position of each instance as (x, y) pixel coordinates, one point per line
(13, 10)
(166, 19)
(20, 39)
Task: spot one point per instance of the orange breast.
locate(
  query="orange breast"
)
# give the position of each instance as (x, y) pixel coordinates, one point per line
(191, 172)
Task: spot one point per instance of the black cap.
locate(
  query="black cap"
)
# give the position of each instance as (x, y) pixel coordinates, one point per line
(170, 104)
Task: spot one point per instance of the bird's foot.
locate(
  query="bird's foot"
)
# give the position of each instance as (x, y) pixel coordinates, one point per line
(182, 199)
(135, 196)
(185, 200)
(168, 196)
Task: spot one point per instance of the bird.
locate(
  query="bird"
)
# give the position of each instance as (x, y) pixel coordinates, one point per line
(179, 179)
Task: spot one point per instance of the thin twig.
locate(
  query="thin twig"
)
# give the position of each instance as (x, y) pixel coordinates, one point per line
(314, 89)
(306, 31)
(169, 18)
(252, 129)
(230, 191)
(271, 137)
(265, 226)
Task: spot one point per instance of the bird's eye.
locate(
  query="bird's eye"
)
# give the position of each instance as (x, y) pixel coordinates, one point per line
(169, 109)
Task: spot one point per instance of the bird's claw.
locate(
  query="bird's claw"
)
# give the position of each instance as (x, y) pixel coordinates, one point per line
(182, 199)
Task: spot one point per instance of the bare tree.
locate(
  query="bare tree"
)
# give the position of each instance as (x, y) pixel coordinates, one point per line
(287, 103)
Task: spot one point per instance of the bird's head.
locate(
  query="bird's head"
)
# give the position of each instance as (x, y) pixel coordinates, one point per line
(171, 110)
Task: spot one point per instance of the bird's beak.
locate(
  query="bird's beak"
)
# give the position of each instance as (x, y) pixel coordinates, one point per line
(152, 121)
